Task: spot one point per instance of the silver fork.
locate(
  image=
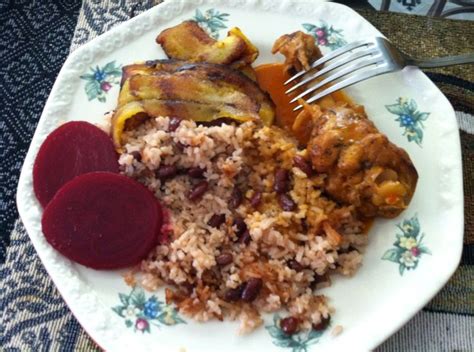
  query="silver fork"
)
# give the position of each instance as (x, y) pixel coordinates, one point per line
(362, 60)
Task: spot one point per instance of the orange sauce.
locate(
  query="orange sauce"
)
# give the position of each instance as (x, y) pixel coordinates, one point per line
(271, 77)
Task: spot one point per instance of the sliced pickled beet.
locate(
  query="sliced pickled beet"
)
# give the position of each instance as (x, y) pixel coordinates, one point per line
(73, 149)
(103, 220)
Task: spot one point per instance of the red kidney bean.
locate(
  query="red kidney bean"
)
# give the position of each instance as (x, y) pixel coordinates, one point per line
(224, 258)
(174, 123)
(317, 279)
(233, 294)
(240, 225)
(216, 220)
(286, 202)
(198, 191)
(293, 264)
(180, 146)
(252, 289)
(166, 172)
(187, 287)
(323, 324)
(236, 198)
(282, 181)
(256, 199)
(245, 237)
(289, 325)
(136, 155)
(302, 164)
(196, 172)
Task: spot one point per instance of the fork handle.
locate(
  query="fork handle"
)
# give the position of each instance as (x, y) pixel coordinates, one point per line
(442, 61)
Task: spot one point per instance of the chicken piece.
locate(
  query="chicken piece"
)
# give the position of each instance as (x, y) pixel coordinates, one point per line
(363, 167)
(299, 50)
(303, 124)
(188, 41)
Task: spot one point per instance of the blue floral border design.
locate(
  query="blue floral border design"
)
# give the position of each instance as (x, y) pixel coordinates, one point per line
(100, 80)
(212, 21)
(140, 312)
(325, 35)
(410, 119)
(408, 247)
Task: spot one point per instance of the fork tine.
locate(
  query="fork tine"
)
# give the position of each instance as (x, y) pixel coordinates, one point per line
(333, 66)
(330, 56)
(347, 82)
(347, 70)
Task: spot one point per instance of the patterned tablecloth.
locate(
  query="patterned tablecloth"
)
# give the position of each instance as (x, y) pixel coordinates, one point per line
(37, 36)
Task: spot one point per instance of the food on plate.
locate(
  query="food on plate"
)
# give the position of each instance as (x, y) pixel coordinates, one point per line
(207, 83)
(103, 220)
(256, 223)
(188, 41)
(299, 50)
(260, 215)
(270, 78)
(244, 205)
(72, 149)
(363, 167)
(199, 91)
(261, 211)
(133, 113)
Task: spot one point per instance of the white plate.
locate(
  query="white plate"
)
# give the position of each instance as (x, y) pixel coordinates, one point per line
(383, 295)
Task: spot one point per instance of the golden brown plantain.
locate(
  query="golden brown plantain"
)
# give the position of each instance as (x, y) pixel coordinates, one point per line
(186, 86)
(188, 41)
(127, 114)
(202, 82)
(151, 66)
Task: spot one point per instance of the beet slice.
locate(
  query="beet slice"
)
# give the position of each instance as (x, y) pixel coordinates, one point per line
(103, 220)
(73, 149)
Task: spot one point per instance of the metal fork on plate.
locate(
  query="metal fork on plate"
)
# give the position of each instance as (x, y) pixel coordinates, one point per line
(361, 60)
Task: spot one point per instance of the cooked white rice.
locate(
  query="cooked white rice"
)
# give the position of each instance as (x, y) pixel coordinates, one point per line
(246, 157)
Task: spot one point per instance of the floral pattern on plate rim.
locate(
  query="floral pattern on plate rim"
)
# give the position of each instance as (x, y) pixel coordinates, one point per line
(408, 247)
(409, 118)
(101, 80)
(297, 342)
(212, 21)
(140, 312)
(325, 35)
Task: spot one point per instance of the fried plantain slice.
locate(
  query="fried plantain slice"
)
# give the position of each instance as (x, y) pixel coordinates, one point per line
(188, 41)
(151, 66)
(134, 112)
(201, 82)
(186, 86)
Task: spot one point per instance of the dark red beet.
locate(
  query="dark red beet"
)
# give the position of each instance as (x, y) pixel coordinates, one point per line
(103, 220)
(73, 149)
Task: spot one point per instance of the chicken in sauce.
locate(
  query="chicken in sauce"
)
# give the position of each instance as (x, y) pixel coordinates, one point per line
(299, 50)
(363, 167)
